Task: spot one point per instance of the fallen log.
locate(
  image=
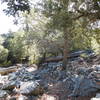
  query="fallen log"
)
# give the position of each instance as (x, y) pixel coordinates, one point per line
(57, 59)
(52, 59)
(4, 71)
(76, 54)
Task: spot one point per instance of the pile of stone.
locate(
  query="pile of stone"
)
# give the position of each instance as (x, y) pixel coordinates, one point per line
(28, 83)
(20, 82)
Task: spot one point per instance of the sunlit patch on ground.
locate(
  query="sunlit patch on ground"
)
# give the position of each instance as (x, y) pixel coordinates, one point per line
(49, 97)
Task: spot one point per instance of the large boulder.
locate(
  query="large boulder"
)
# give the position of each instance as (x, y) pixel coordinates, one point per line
(83, 87)
(87, 82)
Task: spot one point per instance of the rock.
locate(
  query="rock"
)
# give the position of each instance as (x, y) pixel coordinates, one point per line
(30, 87)
(31, 69)
(97, 97)
(3, 94)
(10, 85)
(21, 97)
(12, 98)
(31, 83)
(49, 97)
(34, 66)
(84, 86)
(81, 71)
(84, 71)
(21, 75)
(87, 82)
(32, 97)
(17, 97)
(96, 67)
(12, 76)
(21, 65)
(3, 79)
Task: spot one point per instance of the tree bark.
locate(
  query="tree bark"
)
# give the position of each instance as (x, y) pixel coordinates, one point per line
(66, 49)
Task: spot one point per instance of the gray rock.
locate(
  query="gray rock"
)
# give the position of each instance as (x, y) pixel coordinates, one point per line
(12, 98)
(21, 97)
(10, 85)
(31, 88)
(84, 86)
(86, 82)
(12, 76)
(97, 97)
(97, 67)
(3, 94)
(32, 97)
(3, 79)
(21, 75)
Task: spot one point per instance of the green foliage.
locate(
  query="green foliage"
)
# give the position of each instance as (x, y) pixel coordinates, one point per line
(96, 35)
(3, 57)
(3, 53)
(1, 40)
(60, 17)
(81, 36)
(5, 64)
(14, 6)
(54, 28)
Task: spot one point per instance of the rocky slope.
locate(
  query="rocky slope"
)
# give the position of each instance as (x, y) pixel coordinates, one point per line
(79, 82)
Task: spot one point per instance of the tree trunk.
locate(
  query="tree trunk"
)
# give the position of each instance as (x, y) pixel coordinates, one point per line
(66, 49)
(42, 60)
